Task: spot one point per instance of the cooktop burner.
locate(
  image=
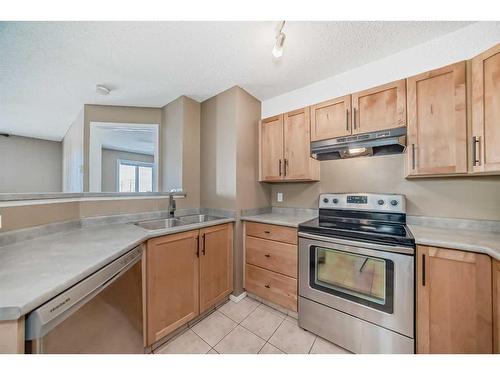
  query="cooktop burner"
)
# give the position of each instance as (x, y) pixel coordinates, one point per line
(378, 218)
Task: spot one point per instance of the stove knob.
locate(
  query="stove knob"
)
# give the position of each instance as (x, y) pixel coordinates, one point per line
(394, 202)
(335, 200)
(325, 200)
(380, 202)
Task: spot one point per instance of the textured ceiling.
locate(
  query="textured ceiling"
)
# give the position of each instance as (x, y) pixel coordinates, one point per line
(48, 70)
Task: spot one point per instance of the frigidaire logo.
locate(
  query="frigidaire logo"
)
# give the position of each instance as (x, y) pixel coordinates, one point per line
(60, 304)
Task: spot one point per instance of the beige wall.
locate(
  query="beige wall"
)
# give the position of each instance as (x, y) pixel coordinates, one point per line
(457, 197)
(218, 150)
(30, 165)
(106, 113)
(72, 149)
(180, 149)
(229, 161)
(109, 170)
(19, 217)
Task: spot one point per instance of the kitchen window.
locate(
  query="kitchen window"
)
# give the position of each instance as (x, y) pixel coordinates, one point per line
(135, 176)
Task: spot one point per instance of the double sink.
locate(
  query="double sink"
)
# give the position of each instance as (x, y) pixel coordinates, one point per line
(176, 222)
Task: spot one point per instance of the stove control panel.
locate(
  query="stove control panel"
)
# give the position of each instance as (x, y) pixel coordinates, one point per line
(364, 201)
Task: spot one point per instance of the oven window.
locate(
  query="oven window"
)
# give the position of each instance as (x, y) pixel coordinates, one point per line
(363, 279)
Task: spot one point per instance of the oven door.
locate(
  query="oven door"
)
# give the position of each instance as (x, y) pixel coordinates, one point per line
(369, 281)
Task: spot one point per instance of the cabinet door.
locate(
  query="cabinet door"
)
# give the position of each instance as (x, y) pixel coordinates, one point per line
(496, 306)
(437, 127)
(454, 304)
(486, 111)
(171, 283)
(298, 164)
(379, 108)
(271, 149)
(331, 119)
(216, 264)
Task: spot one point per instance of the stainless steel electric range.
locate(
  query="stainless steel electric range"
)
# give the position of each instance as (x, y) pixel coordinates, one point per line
(356, 273)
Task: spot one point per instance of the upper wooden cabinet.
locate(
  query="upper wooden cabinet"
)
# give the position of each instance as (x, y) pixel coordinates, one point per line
(171, 283)
(437, 123)
(216, 264)
(454, 301)
(331, 119)
(271, 149)
(379, 108)
(285, 148)
(485, 138)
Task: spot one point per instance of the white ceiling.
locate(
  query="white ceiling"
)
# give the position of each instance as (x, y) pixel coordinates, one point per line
(48, 70)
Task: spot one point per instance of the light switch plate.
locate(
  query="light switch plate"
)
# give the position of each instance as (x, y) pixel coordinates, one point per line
(279, 197)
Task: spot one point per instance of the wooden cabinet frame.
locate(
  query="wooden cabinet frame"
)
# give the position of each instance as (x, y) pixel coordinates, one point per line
(453, 318)
(322, 128)
(485, 113)
(415, 144)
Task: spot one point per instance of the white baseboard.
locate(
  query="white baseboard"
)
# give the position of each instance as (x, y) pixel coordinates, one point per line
(234, 298)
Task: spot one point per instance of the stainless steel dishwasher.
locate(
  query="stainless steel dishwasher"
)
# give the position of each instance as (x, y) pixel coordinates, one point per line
(101, 314)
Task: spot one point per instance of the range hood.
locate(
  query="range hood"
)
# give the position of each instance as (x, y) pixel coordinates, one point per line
(384, 142)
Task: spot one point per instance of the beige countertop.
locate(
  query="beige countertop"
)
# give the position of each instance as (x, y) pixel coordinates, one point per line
(34, 271)
(477, 241)
(285, 217)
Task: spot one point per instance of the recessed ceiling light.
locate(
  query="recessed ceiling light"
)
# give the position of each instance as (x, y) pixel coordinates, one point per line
(103, 90)
(280, 40)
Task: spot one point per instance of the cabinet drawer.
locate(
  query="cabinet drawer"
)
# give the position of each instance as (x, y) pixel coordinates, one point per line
(274, 256)
(272, 232)
(272, 286)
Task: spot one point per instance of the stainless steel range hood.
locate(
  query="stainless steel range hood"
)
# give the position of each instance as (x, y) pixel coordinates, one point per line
(385, 142)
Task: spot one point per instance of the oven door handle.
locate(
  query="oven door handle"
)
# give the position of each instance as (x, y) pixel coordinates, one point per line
(367, 245)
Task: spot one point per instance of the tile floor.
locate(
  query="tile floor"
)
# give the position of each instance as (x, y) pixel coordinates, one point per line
(248, 327)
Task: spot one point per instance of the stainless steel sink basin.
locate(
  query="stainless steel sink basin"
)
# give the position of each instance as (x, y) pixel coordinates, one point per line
(160, 224)
(193, 219)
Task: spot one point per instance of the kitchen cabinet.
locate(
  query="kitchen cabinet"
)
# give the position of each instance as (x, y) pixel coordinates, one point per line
(454, 301)
(285, 148)
(485, 139)
(437, 124)
(331, 119)
(216, 264)
(379, 108)
(496, 305)
(186, 274)
(271, 148)
(271, 260)
(172, 283)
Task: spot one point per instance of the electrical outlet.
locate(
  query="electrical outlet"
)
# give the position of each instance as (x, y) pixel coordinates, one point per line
(279, 197)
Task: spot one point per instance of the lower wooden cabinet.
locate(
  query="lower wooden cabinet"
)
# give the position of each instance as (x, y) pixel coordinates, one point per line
(185, 274)
(496, 306)
(271, 263)
(454, 301)
(216, 264)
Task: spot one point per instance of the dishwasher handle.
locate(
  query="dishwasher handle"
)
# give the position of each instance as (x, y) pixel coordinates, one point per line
(45, 318)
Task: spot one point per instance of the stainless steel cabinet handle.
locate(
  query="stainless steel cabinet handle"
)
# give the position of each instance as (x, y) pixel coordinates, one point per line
(423, 269)
(267, 255)
(347, 119)
(286, 166)
(354, 116)
(413, 155)
(203, 244)
(475, 144)
(279, 166)
(197, 246)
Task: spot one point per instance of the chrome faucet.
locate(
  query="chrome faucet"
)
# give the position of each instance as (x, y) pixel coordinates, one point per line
(171, 206)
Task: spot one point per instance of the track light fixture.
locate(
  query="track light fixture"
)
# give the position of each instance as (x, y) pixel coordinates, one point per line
(280, 40)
